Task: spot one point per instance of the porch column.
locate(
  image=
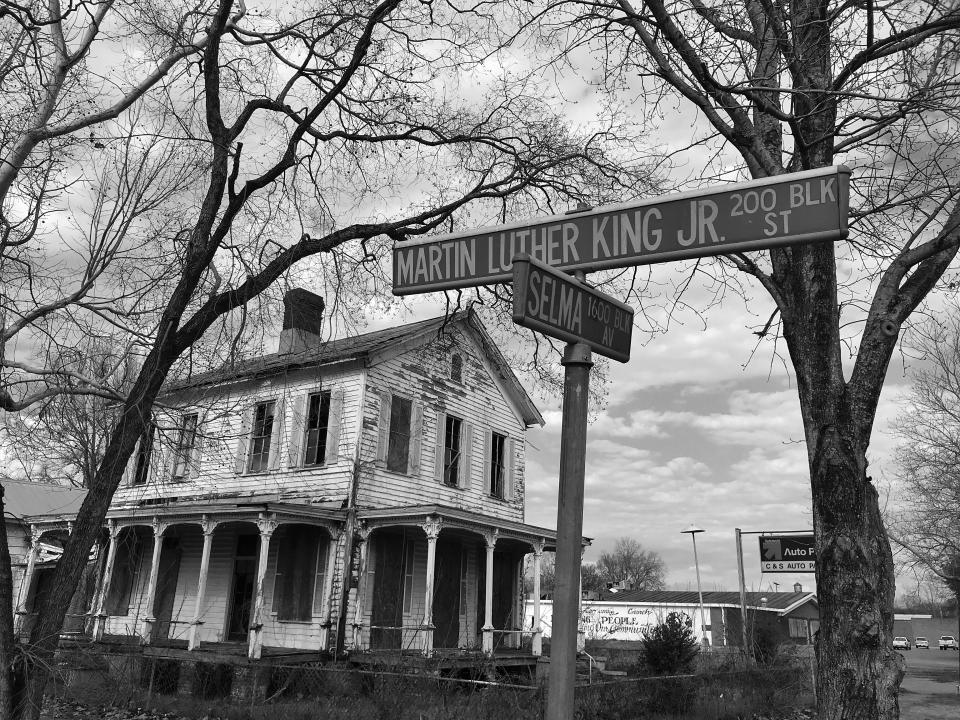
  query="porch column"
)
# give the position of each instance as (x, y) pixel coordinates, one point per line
(149, 620)
(332, 549)
(491, 540)
(432, 528)
(23, 594)
(100, 618)
(363, 545)
(537, 642)
(208, 526)
(267, 527)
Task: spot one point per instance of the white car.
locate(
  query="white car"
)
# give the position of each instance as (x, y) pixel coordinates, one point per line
(901, 643)
(922, 642)
(948, 642)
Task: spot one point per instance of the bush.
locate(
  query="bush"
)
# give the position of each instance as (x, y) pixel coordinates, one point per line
(670, 647)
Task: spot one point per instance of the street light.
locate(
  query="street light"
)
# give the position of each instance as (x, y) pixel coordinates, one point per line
(693, 530)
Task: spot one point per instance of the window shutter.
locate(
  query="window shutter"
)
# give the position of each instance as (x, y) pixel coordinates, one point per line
(416, 438)
(466, 456)
(487, 447)
(298, 429)
(243, 442)
(276, 434)
(441, 439)
(509, 462)
(333, 426)
(196, 454)
(383, 427)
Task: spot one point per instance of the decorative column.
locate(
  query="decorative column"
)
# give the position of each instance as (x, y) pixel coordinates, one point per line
(364, 534)
(432, 528)
(267, 527)
(149, 620)
(26, 580)
(537, 642)
(208, 526)
(100, 618)
(326, 623)
(491, 541)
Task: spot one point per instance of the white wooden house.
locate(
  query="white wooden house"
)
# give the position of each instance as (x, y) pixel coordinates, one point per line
(364, 494)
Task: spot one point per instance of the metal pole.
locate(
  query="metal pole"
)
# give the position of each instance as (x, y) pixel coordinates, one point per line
(743, 595)
(573, 447)
(696, 564)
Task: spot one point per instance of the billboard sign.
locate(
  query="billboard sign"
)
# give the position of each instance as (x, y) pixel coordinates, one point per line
(557, 305)
(787, 553)
(781, 210)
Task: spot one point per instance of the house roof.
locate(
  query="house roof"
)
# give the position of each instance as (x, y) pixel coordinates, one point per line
(780, 602)
(361, 347)
(23, 499)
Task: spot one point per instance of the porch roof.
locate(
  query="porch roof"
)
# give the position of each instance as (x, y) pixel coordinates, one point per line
(226, 509)
(463, 518)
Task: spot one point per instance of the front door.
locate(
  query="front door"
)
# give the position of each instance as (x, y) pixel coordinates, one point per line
(241, 593)
(386, 613)
(503, 592)
(446, 594)
(168, 572)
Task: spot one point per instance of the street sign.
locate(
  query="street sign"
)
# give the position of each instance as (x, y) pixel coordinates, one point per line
(781, 210)
(787, 553)
(557, 305)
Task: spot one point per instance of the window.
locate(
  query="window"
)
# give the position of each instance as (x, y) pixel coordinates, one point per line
(456, 368)
(798, 628)
(123, 580)
(398, 448)
(451, 451)
(301, 572)
(186, 442)
(141, 469)
(498, 467)
(260, 437)
(318, 419)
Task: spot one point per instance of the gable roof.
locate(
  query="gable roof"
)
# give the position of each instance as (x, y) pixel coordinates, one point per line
(780, 602)
(23, 499)
(361, 348)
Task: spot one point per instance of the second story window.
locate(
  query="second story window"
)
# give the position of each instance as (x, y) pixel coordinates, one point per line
(260, 437)
(318, 419)
(141, 470)
(498, 465)
(451, 451)
(186, 444)
(398, 448)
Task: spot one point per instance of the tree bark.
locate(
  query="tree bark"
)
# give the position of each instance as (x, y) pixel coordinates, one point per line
(11, 659)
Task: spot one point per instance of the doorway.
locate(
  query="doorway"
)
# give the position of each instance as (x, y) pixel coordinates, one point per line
(167, 574)
(386, 612)
(242, 585)
(446, 594)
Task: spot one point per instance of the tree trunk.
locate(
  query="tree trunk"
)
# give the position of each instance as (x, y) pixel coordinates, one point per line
(11, 658)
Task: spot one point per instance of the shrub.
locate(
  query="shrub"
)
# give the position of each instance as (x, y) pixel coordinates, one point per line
(670, 647)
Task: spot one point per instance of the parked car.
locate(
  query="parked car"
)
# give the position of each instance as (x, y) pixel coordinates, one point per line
(922, 642)
(948, 642)
(901, 643)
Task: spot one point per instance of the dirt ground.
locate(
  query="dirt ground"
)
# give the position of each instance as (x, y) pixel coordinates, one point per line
(929, 690)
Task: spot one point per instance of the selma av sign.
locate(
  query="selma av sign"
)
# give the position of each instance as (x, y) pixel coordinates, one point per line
(782, 210)
(557, 305)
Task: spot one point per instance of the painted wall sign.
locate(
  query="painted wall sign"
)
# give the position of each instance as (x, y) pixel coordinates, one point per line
(787, 553)
(557, 305)
(782, 210)
(606, 620)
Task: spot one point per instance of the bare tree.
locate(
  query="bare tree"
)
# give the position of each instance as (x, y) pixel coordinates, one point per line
(786, 87)
(629, 563)
(319, 135)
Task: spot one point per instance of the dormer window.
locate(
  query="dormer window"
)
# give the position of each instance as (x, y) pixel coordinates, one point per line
(456, 368)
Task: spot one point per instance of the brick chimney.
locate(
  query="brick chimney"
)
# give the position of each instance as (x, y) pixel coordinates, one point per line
(302, 319)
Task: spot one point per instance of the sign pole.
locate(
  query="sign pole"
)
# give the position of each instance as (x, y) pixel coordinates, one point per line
(743, 595)
(566, 603)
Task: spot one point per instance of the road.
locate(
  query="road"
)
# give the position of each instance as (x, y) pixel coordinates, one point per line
(929, 689)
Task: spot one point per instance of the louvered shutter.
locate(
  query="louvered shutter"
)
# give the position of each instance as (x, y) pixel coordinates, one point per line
(508, 461)
(243, 442)
(276, 434)
(383, 427)
(196, 453)
(298, 429)
(333, 426)
(466, 456)
(441, 441)
(487, 447)
(416, 438)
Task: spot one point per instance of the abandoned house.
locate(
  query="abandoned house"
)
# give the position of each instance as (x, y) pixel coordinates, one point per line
(356, 496)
